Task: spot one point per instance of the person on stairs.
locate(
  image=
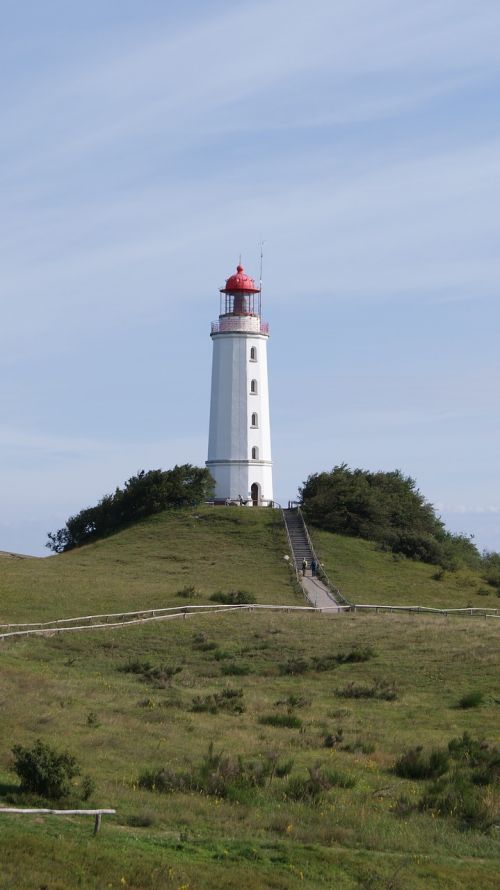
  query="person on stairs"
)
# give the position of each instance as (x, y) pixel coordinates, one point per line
(304, 567)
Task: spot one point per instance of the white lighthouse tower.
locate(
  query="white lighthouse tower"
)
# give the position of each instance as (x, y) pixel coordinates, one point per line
(239, 441)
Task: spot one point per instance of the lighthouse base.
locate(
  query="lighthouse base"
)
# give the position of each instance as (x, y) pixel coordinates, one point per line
(244, 482)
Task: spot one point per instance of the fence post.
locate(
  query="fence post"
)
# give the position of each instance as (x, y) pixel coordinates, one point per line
(97, 823)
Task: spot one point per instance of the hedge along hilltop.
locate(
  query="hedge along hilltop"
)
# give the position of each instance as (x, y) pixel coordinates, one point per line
(389, 509)
(386, 508)
(142, 495)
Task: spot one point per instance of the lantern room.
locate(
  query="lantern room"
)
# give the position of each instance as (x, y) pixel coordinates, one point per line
(240, 296)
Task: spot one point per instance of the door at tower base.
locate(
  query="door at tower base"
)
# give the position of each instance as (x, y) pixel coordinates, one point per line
(239, 442)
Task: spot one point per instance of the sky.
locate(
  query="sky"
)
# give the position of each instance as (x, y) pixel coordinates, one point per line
(145, 146)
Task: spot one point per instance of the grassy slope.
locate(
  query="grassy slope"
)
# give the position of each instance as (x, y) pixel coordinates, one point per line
(367, 575)
(48, 688)
(144, 566)
(353, 839)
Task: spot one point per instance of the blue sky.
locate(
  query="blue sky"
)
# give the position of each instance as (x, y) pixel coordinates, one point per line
(146, 145)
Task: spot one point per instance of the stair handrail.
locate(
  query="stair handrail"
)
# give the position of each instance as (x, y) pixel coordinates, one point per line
(297, 574)
(334, 589)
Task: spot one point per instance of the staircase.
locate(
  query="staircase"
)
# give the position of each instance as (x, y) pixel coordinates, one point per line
(298, 538)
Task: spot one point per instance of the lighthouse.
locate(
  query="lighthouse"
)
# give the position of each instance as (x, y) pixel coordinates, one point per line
(239, 441)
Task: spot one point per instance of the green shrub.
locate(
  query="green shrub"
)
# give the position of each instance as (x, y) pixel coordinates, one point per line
(233, 598)
(188, 593)
(329, 662)
(159, 676)
(47, 772)
(232, 778)
(136, 666)
(294, 666)
(457, 797)
(203, 644)
(142, 495)
(340, 780)
(283, 769)
(417, 764)
(381, 690)
(293, 701)
(236, 669)
(286, 721)
(312, 788)
(332, 741)
(471, 700)
(473, 753)
(228, 700)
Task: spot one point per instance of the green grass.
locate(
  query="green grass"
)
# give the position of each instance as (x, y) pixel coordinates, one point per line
(350, 838)
(124, 702)
(212, 549)
(367, 575)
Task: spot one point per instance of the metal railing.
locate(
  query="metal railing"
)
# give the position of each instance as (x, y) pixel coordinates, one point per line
(246, 324)
(339, 596)
(297, 575)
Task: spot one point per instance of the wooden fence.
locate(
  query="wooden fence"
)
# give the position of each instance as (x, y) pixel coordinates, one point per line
(125, 619)
(30, 811)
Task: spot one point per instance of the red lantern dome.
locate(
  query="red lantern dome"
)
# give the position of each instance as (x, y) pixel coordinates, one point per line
(240, 283)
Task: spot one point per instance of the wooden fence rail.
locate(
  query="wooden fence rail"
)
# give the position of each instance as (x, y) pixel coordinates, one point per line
(27, 811)
(147, 615)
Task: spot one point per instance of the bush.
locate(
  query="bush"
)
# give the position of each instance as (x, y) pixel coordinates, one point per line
(294, 666)
(471, 700)
(228, 700)
(381, 690)
(332, 741)
(313, 788)
(232, 778)
(457, 789)
(188, 593)
(160, 676)
(417, 764)
(48, 772)
(456, 796)
(236, 669)
(388, 508)
(142, 495)
(233, 598)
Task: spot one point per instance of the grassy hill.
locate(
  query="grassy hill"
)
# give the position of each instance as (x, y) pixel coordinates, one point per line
(307, 715)
(146, 565)
(365, 574)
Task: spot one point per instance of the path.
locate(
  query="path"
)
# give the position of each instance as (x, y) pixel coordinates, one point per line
(318, 594)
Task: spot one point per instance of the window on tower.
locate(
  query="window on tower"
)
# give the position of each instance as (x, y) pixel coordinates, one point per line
(253, 353)
(255, 420)
(253, 387)
(255, 453)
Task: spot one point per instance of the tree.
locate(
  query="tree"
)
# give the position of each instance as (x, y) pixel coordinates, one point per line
(383, 507)
(45, 771)
(143, 495)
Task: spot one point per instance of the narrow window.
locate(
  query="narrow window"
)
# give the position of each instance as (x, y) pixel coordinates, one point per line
(253, 387)
(255, 420)
(253, 353)
(255, 453)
